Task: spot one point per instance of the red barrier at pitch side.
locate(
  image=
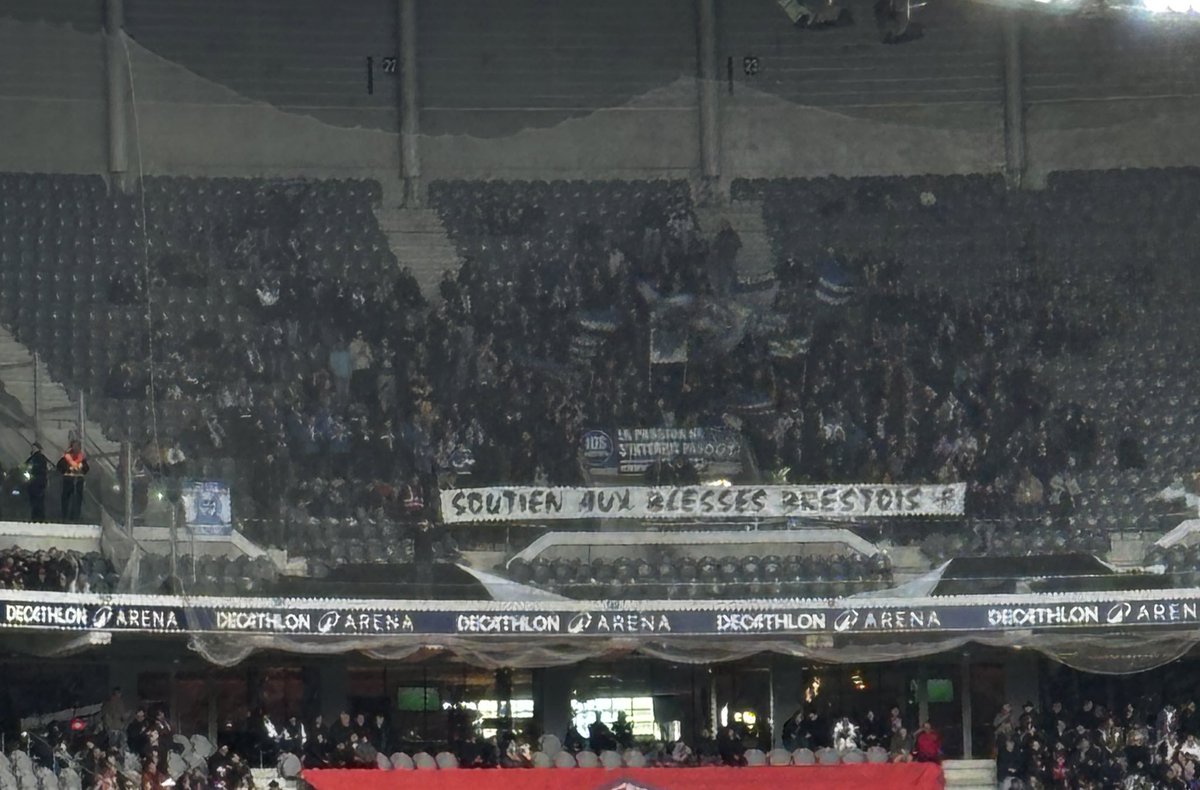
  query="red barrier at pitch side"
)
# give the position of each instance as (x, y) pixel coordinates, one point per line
(905, 776)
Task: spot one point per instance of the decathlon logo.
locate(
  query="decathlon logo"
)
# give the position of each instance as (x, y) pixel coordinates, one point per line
(328, 622)
(1118, 612)
(846, 620)
(579, 623)
(102, 617)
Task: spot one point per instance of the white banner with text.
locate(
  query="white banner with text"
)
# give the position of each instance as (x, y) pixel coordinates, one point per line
(525, 503)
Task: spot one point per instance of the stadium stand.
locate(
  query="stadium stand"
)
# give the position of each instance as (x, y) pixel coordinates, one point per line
(877, 358)
(56, 571)
(1081, 744)
(794, 576)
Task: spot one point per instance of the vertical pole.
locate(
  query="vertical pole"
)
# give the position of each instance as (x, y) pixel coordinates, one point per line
(82, 417)
(210, 691)
(922, 694)
(37, 413)
(424, 697)
(1014, 102)
(713, 713)
(709, 120)
(776, 739)
(968, 751)
(410, 118)
(174, 552)
(694, 731)
(118, 132)
(173, 699)
(127, 484)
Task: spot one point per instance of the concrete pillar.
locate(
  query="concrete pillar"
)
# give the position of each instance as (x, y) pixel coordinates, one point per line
(1021, 680)
(922, 694)
(124, 675)
(1014, 102)
(173, 698)
(552, 696)
(504, 696)
(117, 73)
(710, 119)
(410, 112)
(335, 690)
(210, 691)
(788, 681)
(773, 710)
(966, 706)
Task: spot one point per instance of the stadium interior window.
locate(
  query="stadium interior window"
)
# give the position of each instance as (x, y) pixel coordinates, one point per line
(492, 710)
(638, 710)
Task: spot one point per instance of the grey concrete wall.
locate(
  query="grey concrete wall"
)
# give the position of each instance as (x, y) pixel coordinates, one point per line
(538, 89)
(189, 124)
(842, 102)
(1107, 93)
(490, 69)
(546, 89)
(306, 57)
(52, 110)
(654, 135)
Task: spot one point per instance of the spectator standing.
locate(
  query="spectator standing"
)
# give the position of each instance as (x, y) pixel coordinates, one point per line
(423, 540)
(381, 734)
(73, 466)
(724, 259)
(136, 733)
(37, 466)
(114, 717)
(362, 361)
(573, 741)
(600, 737)
(623, 731)
(340, 366)
(385, 383)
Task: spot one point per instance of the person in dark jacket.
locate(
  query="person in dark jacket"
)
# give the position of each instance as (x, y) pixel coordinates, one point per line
(730, 747)
(317, 751)
(37, 467)
(1010, 764)
(600, 737)
(381, 734)
(136, 734)
(339, 731)
(573, 741)
(73, 467)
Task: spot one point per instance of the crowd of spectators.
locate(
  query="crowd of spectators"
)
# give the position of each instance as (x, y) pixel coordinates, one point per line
(1074, 749)
(1092, 747)
(292, 352)
(138, 748)
(918, 330)
(747, 576)
(54, 570)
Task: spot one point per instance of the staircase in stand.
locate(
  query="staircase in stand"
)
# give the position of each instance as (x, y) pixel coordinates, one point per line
(755, 259)
(970, 774)
(56, 411)
(419, 241)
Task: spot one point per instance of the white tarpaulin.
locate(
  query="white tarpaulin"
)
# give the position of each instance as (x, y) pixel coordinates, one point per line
(524, 503)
